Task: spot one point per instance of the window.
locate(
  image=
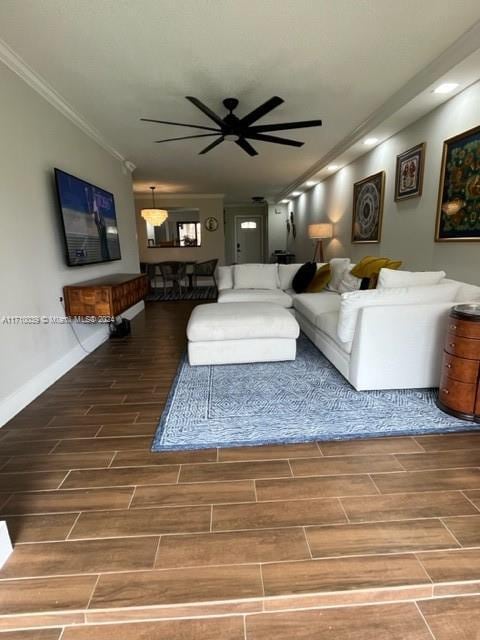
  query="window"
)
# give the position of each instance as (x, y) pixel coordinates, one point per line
(248, 225)
(189, 233)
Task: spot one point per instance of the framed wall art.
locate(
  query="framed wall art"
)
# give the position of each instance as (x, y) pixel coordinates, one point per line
(368, 197)
(409, 173)
(458, 210)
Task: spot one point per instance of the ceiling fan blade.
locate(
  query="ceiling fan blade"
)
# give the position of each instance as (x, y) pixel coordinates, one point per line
(211, 145)
(261, 111)
(274, 139)
(179, 124)
(286, 125)
(206, 110)
(246, 146)
(202, 135)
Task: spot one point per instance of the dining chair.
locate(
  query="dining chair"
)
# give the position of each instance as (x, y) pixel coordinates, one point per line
(205, 269)
(173, 272)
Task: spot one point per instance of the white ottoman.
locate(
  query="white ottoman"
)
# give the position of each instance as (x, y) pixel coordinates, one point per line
(235, 332)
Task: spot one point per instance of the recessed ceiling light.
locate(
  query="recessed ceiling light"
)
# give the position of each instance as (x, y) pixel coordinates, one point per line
(446, 87)
(370, 141)
(295, 194)
(285, 201)
(311, 183)
(332, 167)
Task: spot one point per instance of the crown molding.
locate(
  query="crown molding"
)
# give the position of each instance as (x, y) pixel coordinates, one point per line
(463, 47)
(16, 64)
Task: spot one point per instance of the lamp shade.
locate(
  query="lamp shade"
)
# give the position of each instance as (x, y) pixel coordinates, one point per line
(320, 231)
(155, 217)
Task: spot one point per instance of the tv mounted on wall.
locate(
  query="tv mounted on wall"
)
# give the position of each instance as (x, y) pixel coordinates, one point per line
(89, 221)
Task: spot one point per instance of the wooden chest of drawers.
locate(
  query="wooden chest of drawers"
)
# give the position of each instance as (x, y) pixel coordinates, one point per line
(459, 392)
(107, 296)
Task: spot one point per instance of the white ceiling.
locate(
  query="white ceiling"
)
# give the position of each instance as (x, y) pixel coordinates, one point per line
(115, 61)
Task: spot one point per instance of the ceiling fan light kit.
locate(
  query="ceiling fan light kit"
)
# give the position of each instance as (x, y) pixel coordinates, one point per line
(231, 128)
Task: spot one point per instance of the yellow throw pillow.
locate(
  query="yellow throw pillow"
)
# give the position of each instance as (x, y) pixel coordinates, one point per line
(370, 266)
(320, 280)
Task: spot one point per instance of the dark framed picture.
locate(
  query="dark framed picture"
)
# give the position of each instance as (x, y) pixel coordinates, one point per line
(458, 210)
(368, 197)
(409, 173)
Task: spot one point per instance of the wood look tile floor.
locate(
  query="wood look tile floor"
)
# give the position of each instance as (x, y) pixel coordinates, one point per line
(364, 539)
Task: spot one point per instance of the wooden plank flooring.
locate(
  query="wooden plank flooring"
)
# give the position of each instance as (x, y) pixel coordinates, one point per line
(368, 539)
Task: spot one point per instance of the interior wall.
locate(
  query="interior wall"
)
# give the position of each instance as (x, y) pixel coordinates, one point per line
(277, 228)
(213, 244)
(408, 226)
(233, 210)
(35, 139)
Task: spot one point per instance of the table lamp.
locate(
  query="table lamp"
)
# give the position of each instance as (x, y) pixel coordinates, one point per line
(319, 232)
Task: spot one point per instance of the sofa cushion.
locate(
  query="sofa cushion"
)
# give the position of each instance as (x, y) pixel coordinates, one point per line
(311, 305)
(240, 322)
(286, 273)
(349, 282)
(328, 323)
(224, 277)
(320, 279)
(338, 266)
(304, 276)
(273, 296)
(370, 266)
(391, 278)
(468, 293)
(351, 303)
(255, 276)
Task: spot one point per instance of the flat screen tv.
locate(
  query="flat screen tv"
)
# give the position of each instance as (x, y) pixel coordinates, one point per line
(89, 221)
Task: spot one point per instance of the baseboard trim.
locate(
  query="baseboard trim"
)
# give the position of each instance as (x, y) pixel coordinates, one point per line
(27, 393)
(5, 543)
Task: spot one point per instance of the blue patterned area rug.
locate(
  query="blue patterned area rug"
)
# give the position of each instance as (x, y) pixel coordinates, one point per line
(287, 402)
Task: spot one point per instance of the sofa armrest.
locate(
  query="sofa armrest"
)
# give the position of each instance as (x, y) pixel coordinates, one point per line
(399, 346)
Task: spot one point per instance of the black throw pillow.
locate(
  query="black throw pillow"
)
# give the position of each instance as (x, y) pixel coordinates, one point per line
(304, 276)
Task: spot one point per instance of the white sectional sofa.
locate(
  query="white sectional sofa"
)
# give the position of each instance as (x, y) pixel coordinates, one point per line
(274, 286)
(378, 339)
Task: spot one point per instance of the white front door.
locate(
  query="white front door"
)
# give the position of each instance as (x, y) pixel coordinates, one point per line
(248, 239)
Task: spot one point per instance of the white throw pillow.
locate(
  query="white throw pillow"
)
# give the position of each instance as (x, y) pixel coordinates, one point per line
(255, 276)
(224, 278)
(468, 293)
(392, 278)
(338, 268)
(348, 283)
(351, 303)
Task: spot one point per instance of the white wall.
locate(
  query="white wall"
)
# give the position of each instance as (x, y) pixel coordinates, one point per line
(277, 228)
(35, 138)
(213, 245)
(408, 226)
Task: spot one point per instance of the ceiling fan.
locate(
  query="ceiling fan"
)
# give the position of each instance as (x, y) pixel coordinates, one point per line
(239, 130)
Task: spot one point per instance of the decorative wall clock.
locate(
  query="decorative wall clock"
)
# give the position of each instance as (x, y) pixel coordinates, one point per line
(368, 209)
(211, 223)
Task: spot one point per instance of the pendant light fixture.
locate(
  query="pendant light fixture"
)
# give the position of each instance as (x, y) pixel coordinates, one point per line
(155, 217)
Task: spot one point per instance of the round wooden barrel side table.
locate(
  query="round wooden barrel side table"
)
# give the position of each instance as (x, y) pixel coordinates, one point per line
(459, 392)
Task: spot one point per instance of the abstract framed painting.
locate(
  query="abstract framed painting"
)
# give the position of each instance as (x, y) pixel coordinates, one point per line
(367, 217)
(458, 209)
(409, 173)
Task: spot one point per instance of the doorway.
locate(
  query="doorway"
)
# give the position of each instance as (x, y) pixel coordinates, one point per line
(248, 239)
